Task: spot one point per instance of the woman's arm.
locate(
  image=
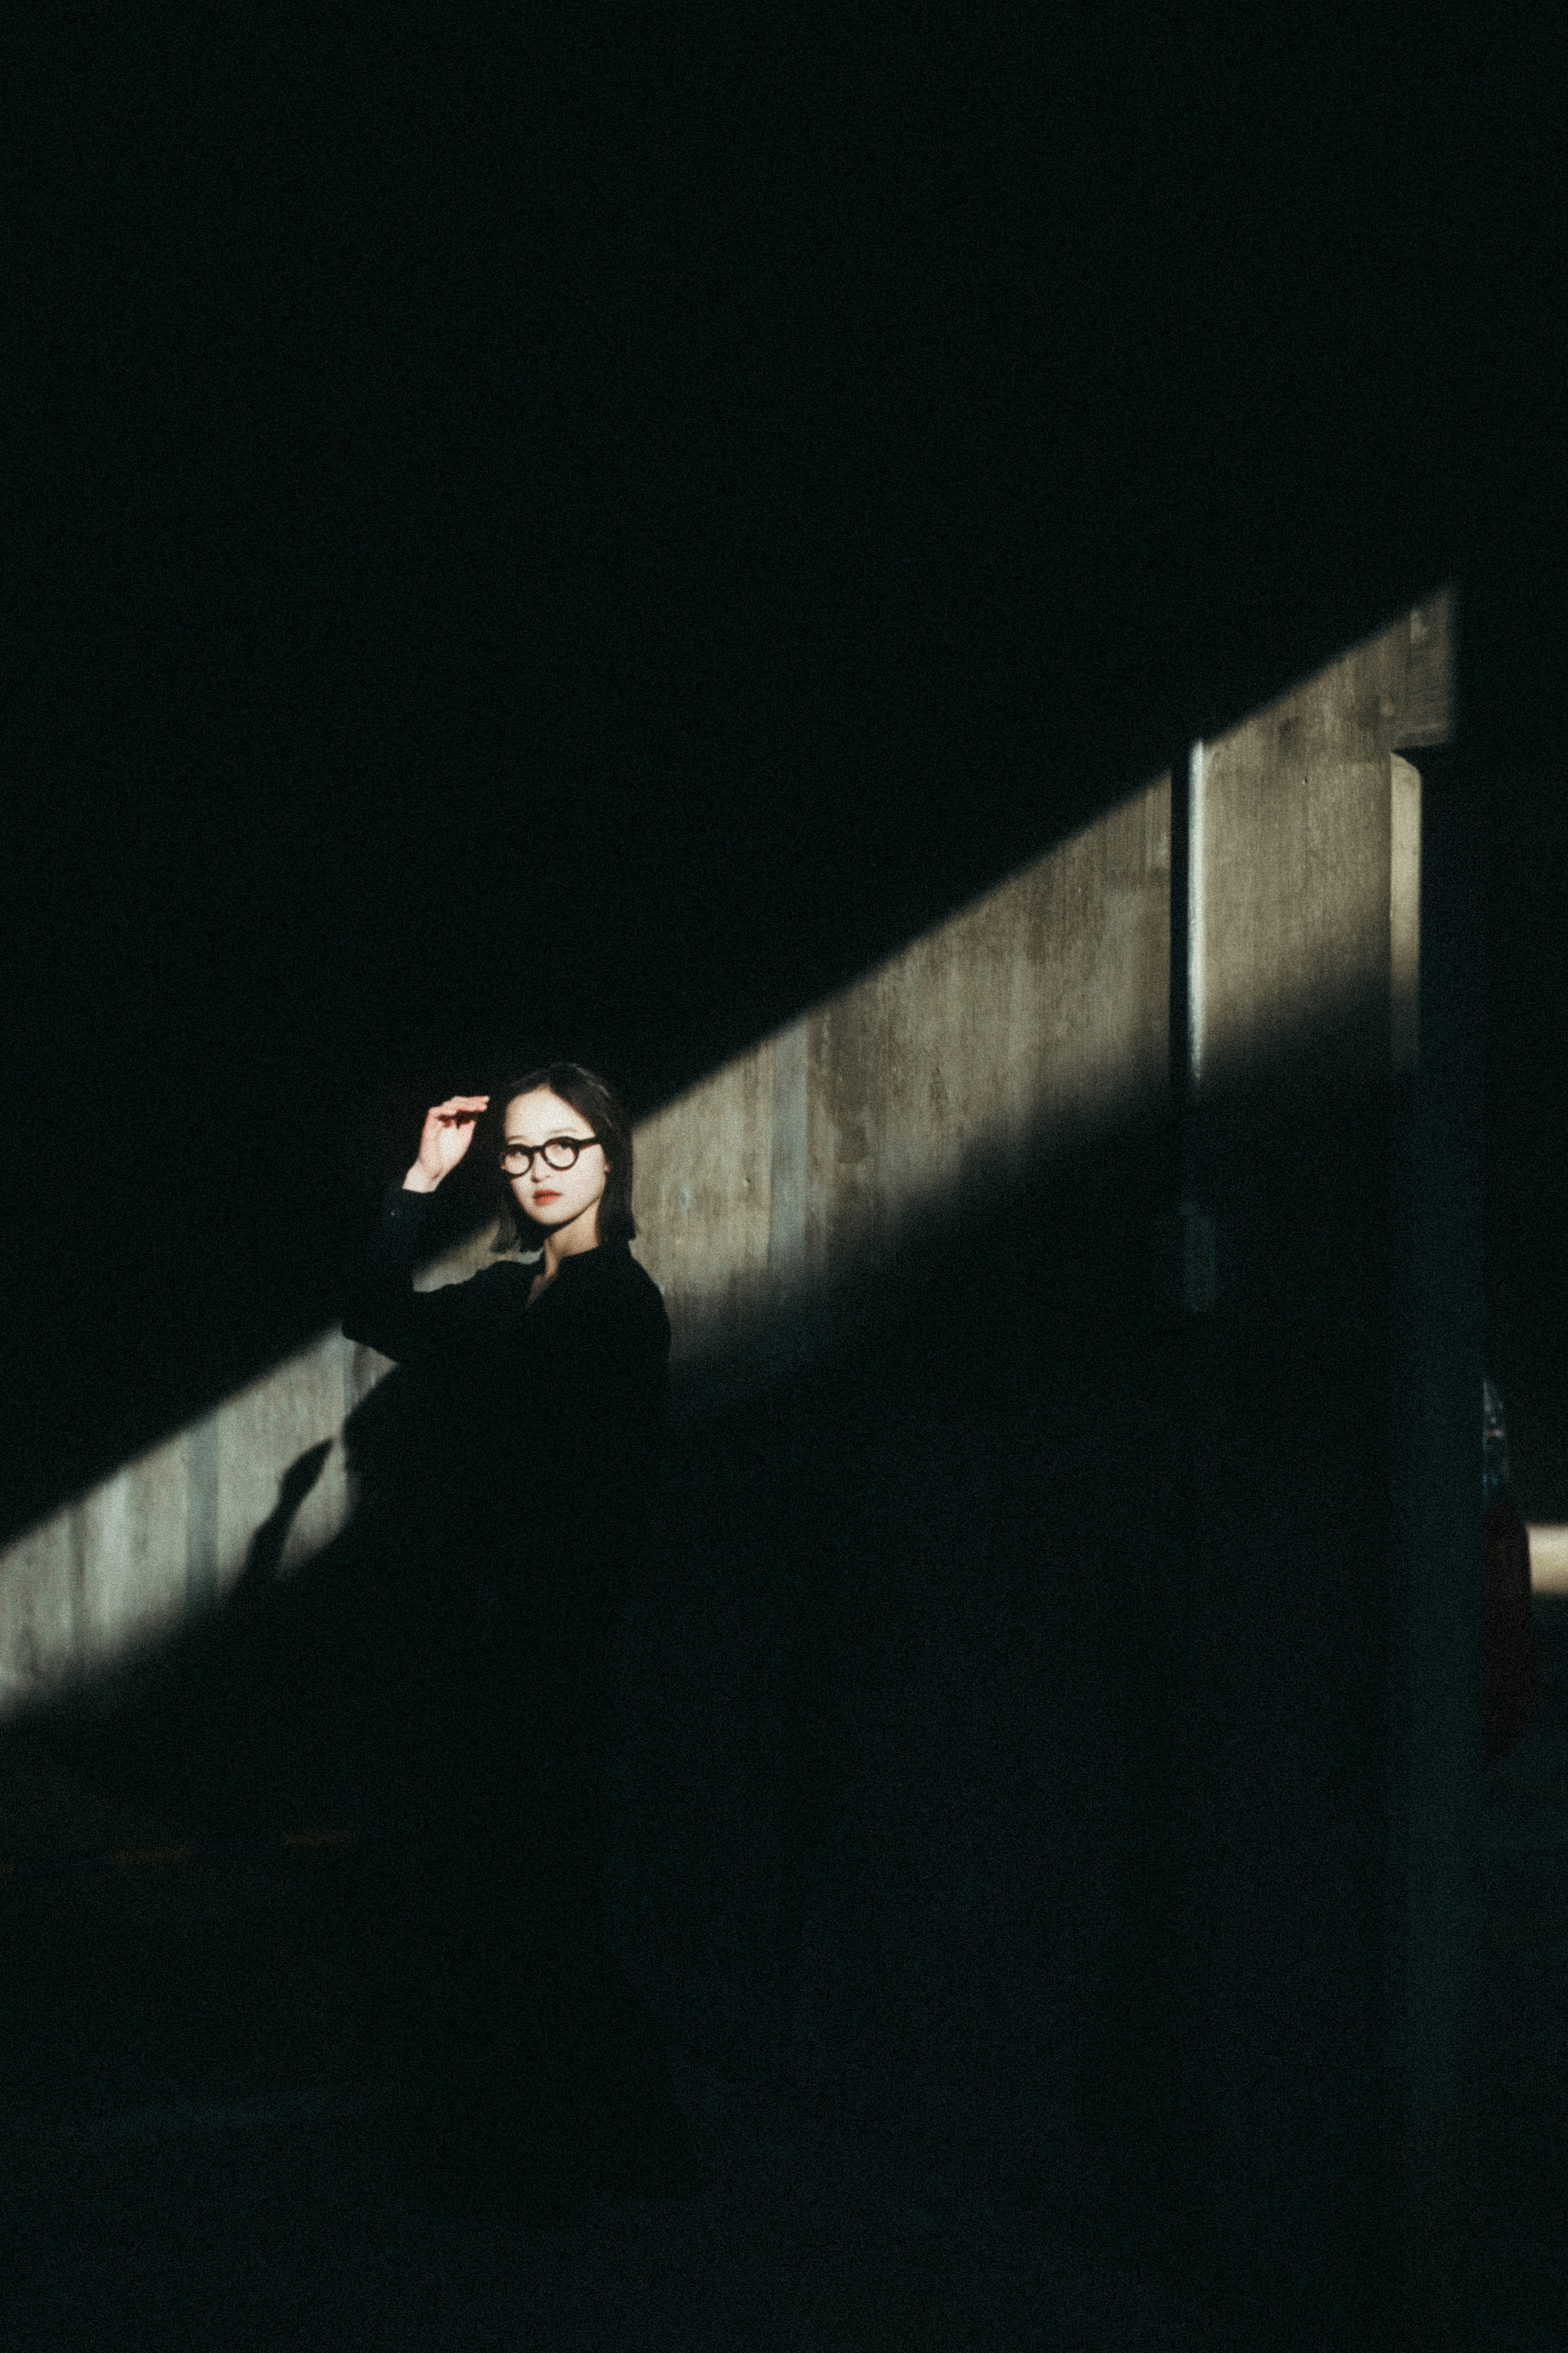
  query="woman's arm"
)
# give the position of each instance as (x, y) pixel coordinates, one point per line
(382, 1309)
(381, 1306)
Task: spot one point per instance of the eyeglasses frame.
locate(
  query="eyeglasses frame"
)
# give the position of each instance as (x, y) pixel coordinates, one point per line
(529, 1152)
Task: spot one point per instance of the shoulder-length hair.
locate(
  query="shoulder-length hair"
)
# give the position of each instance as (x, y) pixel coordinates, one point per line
(597, 1103)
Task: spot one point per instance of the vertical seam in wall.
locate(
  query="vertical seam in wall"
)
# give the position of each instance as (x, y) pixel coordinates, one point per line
(1404, 910)
(202, 1507)
(1196, 942)
(787, 1160)
(76, 1522)
(1178, 873)
(346, 1361)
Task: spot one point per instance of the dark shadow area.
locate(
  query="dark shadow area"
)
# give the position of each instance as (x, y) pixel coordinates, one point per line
(791, 1552)
(1523, 2056)
(1523, 2008)
(264, 1554)
(347, 1697)
(997, 1743)
(593, 580)
(1527, 1121)
(747, 933)
(932, 1787)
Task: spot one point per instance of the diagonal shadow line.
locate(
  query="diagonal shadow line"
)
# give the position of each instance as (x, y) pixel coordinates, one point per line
(267, 1547)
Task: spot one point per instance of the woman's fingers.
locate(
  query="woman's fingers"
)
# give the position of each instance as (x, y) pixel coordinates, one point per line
(447, 1134)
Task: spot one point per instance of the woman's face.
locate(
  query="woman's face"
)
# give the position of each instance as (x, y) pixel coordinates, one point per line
(555, 1198)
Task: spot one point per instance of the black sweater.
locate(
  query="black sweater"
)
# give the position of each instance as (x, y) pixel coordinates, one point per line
(543, 1423)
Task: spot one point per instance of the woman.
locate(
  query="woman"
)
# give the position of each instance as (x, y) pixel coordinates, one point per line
(543, 1386)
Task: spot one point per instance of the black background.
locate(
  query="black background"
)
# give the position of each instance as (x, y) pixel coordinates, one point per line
(574, 535)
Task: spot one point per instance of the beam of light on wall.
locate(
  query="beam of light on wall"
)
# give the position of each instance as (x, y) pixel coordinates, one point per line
(118, 1567)
(1036, 1013)
(1305, 856)
(1035, 1017)
(1404, 912)
(1197, 964)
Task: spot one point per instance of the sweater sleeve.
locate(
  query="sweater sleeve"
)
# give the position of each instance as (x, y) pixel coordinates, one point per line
(381, 1307)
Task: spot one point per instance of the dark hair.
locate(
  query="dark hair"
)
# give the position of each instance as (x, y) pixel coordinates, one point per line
(598, 1104)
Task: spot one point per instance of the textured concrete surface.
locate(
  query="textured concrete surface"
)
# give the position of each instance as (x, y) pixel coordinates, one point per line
(1294, 911)
(1026, 1020)
(1001, 1765)
(1319, 2005)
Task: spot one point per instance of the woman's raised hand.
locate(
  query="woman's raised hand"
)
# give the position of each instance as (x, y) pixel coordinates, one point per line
(448, 1131)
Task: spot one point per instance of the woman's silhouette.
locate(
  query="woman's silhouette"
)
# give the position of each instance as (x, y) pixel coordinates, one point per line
(539, 1390)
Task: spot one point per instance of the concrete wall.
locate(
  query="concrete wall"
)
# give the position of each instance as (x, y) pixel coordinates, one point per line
(168, 1536)
(1293, 828)
(1005, 1752)
(860, 1674)
(120, 1567)
(1033, 1011)
(108, 1572)
(1293, 1955)
(1047, 1660)
(1032, 1017)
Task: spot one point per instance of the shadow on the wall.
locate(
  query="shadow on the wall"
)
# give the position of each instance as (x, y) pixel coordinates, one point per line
(309, 1693)
(890, 1575)
(997, 1719)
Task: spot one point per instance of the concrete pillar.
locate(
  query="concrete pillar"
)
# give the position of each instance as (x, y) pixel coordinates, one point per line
(1435, 1650)
(1318, 1929)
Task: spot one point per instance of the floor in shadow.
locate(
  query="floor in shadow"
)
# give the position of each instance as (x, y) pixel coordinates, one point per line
(199, 2125)
(1523, 2013)
(287, 2229)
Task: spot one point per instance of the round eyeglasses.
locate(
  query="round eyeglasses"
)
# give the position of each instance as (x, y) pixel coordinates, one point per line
(559, 1151)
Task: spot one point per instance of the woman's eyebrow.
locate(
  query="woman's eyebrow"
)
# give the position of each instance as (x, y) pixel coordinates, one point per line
(557, 1135)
